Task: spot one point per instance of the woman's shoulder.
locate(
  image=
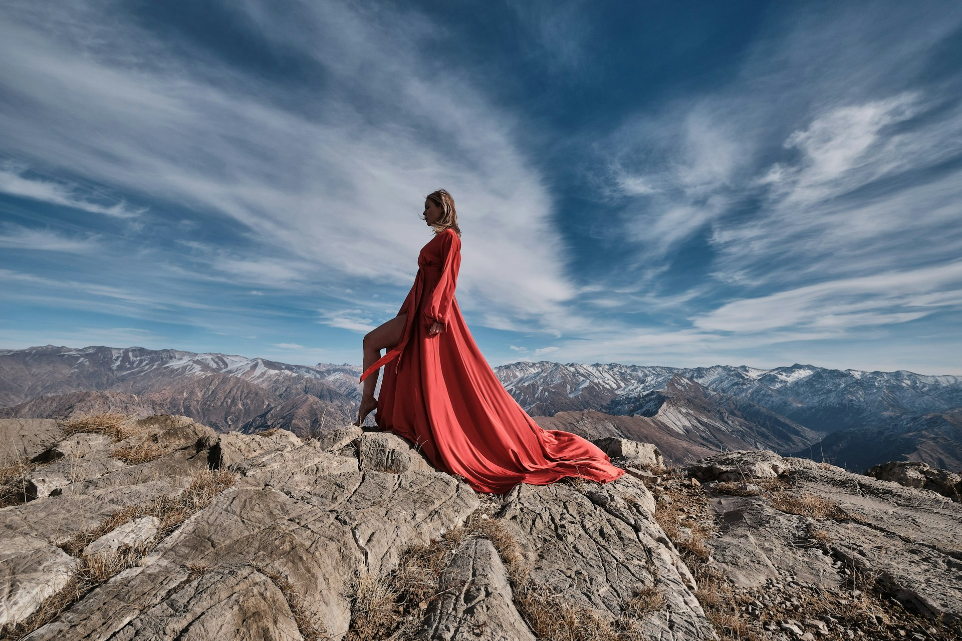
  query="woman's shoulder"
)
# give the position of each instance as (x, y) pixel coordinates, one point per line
(447, 236)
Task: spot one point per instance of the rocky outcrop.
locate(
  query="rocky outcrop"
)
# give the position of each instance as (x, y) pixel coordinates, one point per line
(632, 452)
(920, 475)
(278, 547)
(742, 466)
(811, 546)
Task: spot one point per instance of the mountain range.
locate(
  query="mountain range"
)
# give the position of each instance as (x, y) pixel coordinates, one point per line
(852, 418)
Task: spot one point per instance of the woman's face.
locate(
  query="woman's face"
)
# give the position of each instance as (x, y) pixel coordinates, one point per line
(433, 212)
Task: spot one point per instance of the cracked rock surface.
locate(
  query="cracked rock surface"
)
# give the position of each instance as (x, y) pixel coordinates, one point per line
(476, 599)
(277, 552)
(884, 556)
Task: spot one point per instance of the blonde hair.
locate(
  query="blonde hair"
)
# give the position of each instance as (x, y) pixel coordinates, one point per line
(450, 217)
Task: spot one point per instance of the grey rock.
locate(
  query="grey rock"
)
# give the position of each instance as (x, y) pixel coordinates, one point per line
(234, 450)
(792, 629)
(77, 446)
(27, 438)
(598, 556)
(740, 466)
(644, 455)
(297, 467)
(921, 476)
(476, 600)
(132, 534)
(71, 469)
(387, 452)
(757, 542)
(230, 603)
(910, 540)
(315, 534)
(30, 570)
(340, 437)
(40, 485)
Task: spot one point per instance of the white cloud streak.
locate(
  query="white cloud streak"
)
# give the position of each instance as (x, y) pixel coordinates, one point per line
(14, 183)
(35, 239)
(326, 188)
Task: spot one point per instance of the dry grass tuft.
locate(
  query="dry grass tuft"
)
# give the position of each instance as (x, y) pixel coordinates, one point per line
(309, 627)
(144, 451)
(738, 489)
(375, 608)
(113, 424)
(821, 537)
(806, 504)
(551, 616)
(732, 626)
(670, 517)
(13, 480)
(645, 601)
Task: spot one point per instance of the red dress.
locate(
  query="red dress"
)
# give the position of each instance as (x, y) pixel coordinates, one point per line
(440, 393)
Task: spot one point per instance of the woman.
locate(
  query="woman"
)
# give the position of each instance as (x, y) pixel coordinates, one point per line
(439, 392)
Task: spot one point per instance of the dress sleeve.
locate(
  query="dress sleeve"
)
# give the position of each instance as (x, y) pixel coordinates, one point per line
(439, 303)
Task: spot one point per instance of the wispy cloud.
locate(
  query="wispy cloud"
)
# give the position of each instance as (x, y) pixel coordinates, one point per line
(14, 183)
(36, 239)
(887, 298)
(320, 186)
(353, 320)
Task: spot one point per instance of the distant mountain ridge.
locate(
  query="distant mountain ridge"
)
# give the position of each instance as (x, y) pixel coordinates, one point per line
(819, 398)
(787, 409)
(227, 392)
(867, 417)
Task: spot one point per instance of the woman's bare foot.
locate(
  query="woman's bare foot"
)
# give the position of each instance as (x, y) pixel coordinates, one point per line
(368, 405)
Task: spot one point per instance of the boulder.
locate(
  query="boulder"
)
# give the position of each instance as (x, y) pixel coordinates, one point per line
(644, 455)
(30, 570)
(133, 534)
(26, 438)
(388, 452)
(234, 451)
(919, 475)
(739, 466)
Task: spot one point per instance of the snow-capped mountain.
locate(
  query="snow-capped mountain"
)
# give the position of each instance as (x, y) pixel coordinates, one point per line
(224, 391)
(787, 409)
(867, 417)
(821, 399)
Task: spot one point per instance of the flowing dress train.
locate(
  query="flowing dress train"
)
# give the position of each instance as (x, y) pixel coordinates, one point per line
(440, 393)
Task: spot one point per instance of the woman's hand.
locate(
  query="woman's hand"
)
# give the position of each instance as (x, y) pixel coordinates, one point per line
(436, 328)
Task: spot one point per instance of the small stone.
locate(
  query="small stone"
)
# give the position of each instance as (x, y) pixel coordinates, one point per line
(695, 483)
(818, 625)
(131, 534)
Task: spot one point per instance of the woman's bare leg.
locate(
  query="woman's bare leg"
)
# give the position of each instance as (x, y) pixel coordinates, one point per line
(384, 337)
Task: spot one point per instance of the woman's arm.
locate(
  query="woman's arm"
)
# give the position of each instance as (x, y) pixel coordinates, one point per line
(439, 304)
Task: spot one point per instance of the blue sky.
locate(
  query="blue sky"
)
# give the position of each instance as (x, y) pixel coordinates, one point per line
(655, 183)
